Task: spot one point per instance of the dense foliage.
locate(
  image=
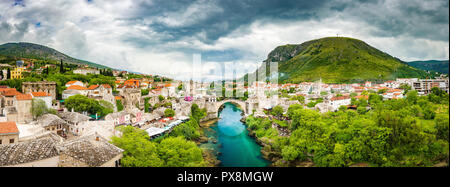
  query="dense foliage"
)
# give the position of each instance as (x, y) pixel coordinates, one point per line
(81, 103)
(60, 79)
(173, 150)
(169, 152)
(440, 66)
(401, 132)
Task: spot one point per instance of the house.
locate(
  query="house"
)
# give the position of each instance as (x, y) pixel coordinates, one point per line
(90, 151)
(53, 123)
(393, 94)
(46, 97)
(132, 82)
(70, 83)
(336, 102)
(132, 98)
(40, 152)
(424, 86)
(101, 92)
(51, 151)
(76, 121)
(86, 71)
(8, 95)
(17, 73)
(40, 86)
(23, 104)
(74, 90)
(9, 133)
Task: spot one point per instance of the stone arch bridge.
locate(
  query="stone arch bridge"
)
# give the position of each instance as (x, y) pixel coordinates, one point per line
(213, 107)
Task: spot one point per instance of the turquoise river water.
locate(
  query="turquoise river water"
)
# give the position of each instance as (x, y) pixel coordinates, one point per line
(229, 137)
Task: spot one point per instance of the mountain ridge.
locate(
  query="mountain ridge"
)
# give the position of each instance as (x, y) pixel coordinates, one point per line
(440, 66)
(41, 52)
(337, 60)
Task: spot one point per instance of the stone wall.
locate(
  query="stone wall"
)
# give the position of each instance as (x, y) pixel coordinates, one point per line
(41, 86)
(5, 138)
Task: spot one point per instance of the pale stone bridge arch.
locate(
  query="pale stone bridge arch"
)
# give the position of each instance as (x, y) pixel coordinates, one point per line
(241, 104)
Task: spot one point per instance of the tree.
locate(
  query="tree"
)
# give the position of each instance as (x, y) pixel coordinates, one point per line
(442, 126)
(405, 87)
(169, 112)
(161, 98)
(81, 103)
(138, 150)
(411, 97)
(39, 108)
(289, 153)
(277, 111)
(177, 152)
(61, 67)
(119, 105)
(144, 91)
(8, 75)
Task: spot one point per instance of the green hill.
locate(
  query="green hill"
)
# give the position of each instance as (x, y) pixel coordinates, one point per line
(40, 52)
(440, 66)
(337, 60)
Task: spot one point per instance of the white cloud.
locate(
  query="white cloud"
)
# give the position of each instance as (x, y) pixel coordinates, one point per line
(107, 32)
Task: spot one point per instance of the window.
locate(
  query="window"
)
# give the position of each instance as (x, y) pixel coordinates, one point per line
(0, 142)
(11, 140)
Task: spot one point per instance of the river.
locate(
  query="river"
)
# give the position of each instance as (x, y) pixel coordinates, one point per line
(236, 148)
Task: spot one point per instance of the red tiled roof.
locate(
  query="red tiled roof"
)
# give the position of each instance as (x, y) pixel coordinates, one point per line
(76, 87)
(92, 87)
(24, 97)
(40, 94)
(118, 98)
(11, 92)
(362, 96)
(71, 82)
(8, 127)
(340, 98)
(106, 85)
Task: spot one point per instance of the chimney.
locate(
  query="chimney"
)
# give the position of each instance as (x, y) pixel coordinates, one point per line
(97, 138)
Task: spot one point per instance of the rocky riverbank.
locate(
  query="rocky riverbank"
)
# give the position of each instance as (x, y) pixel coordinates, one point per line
(210, 156)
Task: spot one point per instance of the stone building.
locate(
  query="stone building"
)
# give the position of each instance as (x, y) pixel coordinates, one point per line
(40, 152)
(74, 90)
(23, 103)
(51, 151)
(41, 86)
(53, 123)
(86, 71)
(46, 97)
(132, 98)
(75, 120)
(9, 133)
(101, 92)
(90, 151)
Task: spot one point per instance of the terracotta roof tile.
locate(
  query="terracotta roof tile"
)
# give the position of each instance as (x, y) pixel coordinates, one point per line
(40, 94)
(24, 97)
(92, 87)
(106, 85)
(76, 87)
(11, 92)
(71, 82)
(8, 127)
(340, 98)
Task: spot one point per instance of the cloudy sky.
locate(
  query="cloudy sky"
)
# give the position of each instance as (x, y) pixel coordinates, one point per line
(166, 36)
